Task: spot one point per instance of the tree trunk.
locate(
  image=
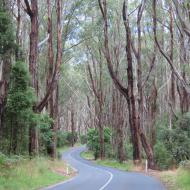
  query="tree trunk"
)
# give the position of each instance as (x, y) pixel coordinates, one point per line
(32, 11)
(72, 127)
(53, 94)
(133, 119)
(5, 69)
(18, 30)
(98, 93)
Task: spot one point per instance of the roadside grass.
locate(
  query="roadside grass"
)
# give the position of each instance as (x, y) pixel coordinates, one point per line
(125, 166)
(178, 179)
(31, 174)
(22, 173)
(169, 179)
(183, 179)
(88, 155)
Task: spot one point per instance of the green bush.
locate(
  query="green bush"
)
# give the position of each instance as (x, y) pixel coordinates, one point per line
(93, 142)
(174, 143)
(72, 137)
(2, 159)
(109, 152)
(83, 139)
(7, 38)
(19, 109)
(185, 165)
(129, 150)
(62, 139)
(184, 123)
(93, 139)
(162, 157)
(65, 139)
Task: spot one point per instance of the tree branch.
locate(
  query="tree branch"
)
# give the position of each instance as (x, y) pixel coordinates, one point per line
(185, 25)
(28, 8)
(179, 77)
(43, 41)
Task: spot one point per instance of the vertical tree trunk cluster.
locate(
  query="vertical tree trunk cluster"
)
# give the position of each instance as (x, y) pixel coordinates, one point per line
(51, 97)
(53, 74)
(137, 133)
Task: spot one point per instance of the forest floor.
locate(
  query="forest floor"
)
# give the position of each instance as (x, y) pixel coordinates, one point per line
(23, 173)
(177, 179)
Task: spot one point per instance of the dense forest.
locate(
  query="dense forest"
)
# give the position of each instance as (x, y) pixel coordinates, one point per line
(110, 74)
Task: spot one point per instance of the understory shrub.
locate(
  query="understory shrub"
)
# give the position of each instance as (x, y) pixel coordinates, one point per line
(185, 165)
(129, 150)
(162, 157)
(93, 142)
(83, 139)
(66, 138)
(173, 145)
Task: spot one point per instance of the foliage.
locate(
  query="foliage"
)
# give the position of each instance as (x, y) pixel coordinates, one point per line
(6, 31)
(93, 141)
(162, 157)
(44, 123)
(21, 96)
(173, 145)
(65, 138)
(183, 123)
(62, 139)
(129, 150)
(88, 155)
(20, 115)
(83, 139)
(19, 111)
(125, 166)
(185, 164)
(2, 159)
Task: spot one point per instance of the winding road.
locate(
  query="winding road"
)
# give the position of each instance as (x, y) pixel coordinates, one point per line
(93, 177)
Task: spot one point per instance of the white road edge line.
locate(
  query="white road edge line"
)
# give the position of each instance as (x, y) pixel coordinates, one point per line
(108, 182)
(69, 180)
(111, 175)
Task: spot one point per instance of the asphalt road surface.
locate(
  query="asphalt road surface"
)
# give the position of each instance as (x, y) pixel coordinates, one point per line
(93, 177)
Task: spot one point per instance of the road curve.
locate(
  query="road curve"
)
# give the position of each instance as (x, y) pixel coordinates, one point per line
(93, 177)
